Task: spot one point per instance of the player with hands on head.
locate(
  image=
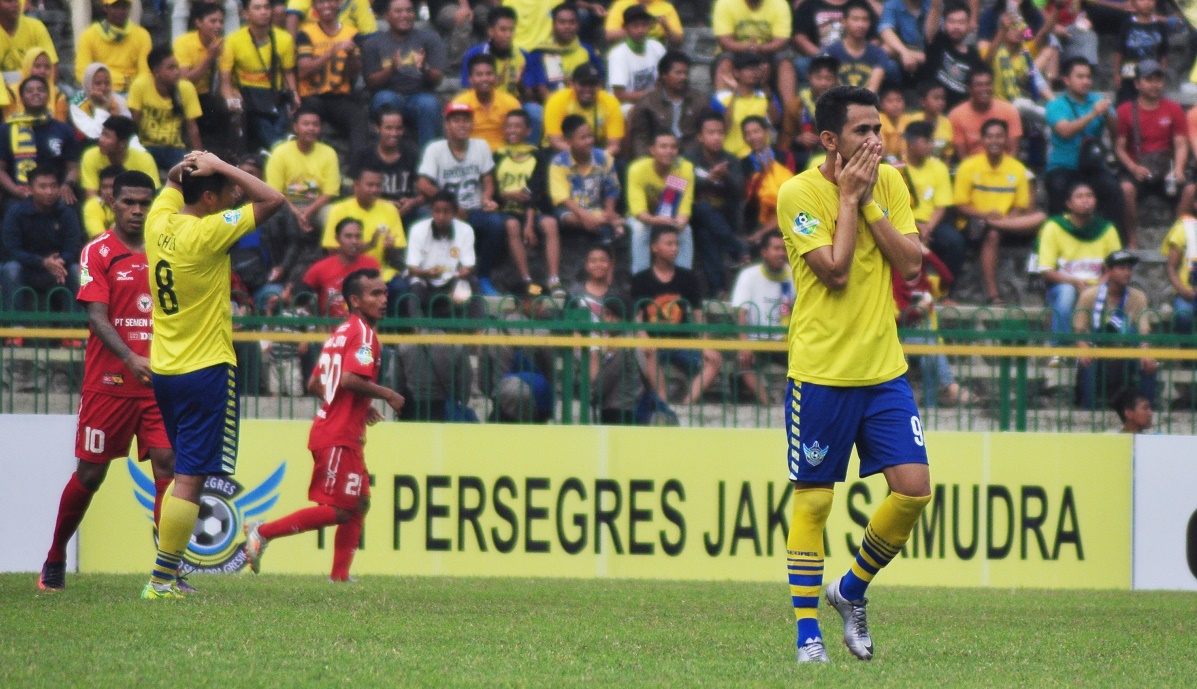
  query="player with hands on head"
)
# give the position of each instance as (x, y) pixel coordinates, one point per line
(848, 224)
(345, 379)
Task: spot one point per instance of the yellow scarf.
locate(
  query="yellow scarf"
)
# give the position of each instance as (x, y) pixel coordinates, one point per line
(23, 144)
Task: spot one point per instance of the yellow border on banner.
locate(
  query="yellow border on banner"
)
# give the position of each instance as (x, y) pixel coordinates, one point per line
(1166, 354)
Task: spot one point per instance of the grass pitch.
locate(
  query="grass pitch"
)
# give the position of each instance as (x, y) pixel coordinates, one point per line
(289, 631)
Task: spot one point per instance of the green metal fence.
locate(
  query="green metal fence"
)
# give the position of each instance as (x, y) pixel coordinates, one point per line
(548, 361)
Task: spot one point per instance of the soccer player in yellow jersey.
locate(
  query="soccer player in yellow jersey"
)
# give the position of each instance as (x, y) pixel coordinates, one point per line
(848, 225)
(189, 230)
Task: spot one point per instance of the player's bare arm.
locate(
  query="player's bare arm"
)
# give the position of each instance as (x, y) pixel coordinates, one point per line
(362, 386)
(903, 251)
(265, 198)
(832, 264)
(97, 316)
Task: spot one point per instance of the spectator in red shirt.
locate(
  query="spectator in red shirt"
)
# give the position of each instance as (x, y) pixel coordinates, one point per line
(1152, 147)
(326, 275)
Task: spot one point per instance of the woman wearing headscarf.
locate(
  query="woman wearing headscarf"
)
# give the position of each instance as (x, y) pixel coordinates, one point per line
(96, 102)
(37, 62)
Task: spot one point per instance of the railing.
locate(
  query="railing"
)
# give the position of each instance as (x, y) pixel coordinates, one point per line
(1018, 375)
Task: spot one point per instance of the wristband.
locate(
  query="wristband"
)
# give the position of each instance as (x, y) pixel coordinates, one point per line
(872, 213)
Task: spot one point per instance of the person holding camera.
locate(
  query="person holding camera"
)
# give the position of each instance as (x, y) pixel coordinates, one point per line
(257, 76)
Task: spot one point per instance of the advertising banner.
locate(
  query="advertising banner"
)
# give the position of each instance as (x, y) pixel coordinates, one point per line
(1035, 510)
(1165, 512)
(37, 459)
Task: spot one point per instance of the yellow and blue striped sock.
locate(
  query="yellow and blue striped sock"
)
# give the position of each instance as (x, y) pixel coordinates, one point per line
(887, 532)
(174, 533)
(804, 557)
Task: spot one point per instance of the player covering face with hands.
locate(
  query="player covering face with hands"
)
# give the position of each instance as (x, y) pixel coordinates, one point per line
(848, 225)
(345, 379)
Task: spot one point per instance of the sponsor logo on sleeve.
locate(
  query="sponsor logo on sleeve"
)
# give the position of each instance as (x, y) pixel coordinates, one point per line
(805, 224)
(232, 217)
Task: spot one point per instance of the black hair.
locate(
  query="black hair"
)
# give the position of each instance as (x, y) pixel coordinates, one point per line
(889, 87)
(480, 59)
(522, 114)
(920, 129)
(659, 133)
(709, 115)
(1072, 63)
(754, 119)
(823, 62)
(658, 231)
(671, 58)
(346, 222)
(305, 110)
(1076, 184)
(26, 80)
(831, 111)
(446, 196)
(130, 179)
(194, 187)
(500, 12)
(1126, 400)
(859, 5)
(156, 57)
(995, 122)
(111, 172)
(771, 234)
(976, 72)
(368, 166)
(122, 126)
(354, 283)
(953, 7)
(563, 7)
(385, 110)
(43, 171)
(201, 11)
(255, 159)
(571, 124)
(927, 86)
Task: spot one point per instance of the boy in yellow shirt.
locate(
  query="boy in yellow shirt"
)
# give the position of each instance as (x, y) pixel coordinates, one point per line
(382, 228)
(124, 47)
(521, 187)
(165, 107)
(660, 192)
(98, 215)
(1072, 249)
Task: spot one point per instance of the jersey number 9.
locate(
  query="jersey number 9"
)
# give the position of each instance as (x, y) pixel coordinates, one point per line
(165, 279)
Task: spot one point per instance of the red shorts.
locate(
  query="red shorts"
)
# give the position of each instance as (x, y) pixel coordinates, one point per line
(108, 424)
(339, 477)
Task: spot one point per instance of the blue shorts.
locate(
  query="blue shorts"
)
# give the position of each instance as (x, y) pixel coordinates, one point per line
(689, 360)
(201, 413)
(881, 420)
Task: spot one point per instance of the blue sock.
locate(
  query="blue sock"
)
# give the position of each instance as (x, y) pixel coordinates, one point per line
(852, 587)
(808, 628)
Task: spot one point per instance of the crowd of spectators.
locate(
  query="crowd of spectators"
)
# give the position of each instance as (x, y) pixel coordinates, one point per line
(580, 119)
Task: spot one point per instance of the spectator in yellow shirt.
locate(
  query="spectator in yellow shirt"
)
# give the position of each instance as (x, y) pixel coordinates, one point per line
(257, 75)
(22, 33)
(329, 62)
(98, 215)
(356, 13)
(931, 190)
(198, 52)
(112, 149)
(490, 105)
(165, 109)
(1072, 249)
(599, 108)
(382, 228)
(667, 25)
(306, 171)
(661, 192)
(124, 47)
(37, 63)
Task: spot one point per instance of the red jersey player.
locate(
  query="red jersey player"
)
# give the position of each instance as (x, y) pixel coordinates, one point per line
(326, 275)
(344, 377)
(117, 402)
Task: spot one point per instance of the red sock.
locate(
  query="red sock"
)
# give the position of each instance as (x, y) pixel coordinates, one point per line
(71, 508)
(345, 543)
(307, 519)
(160, 486)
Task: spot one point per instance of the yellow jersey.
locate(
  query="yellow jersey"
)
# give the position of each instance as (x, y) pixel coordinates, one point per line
(932, 187)
(533, 25)
(30, 33)
(123, 50)
(646, 188)
(1178, 238)
(942, 138)
(847, 337)
(159, 124)
(190, 52)
(189, 279)
(489, 121)
(382, 217)
(304, 176)
(1060, 250)
(356, 13)
(741, 108)
(311, 41)
(515, 168)
(93, 162)
(987, 188)
(97, 217)
(658, 9)
(248, 63)
(605, 117)
(736, 19)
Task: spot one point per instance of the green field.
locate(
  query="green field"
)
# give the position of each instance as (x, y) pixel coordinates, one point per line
(282, 631)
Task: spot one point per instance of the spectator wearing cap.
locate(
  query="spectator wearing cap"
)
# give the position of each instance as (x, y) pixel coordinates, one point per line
(1072, 247)
(672, 106)
(117, 43)
(1077, 119)
(931, 189)
(632, 64)
(760, 27)
(968, 117)
(552, 64)
(462, 165)
(112, 148)
(861, 63)
(1112, 307)
(584, 98)
(1153, 147)
(748, 98)
(403, 66)
(41, 241)
(357, 14)
(489, 104)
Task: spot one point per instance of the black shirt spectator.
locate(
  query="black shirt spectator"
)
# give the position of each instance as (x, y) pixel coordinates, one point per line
(821, 23)
(42, 241)
(950, 60)
(40, 141)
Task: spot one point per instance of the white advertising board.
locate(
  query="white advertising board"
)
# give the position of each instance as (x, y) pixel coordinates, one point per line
(37, 458)
(1165, 522)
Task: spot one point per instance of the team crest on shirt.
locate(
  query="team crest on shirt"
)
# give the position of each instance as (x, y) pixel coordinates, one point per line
(104, 250)
(814, 454)
(217, 544)
(84, 276)
(454, 252)
(144, 303)
(804, 224)
(232, 217)
(365, 355)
